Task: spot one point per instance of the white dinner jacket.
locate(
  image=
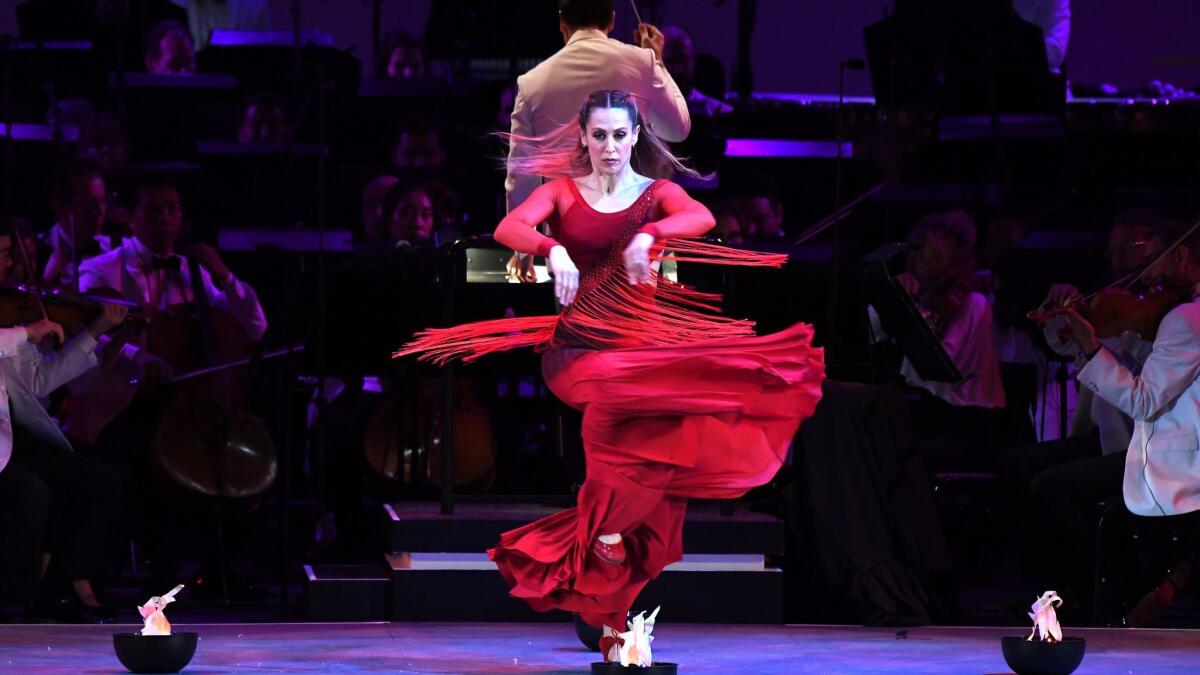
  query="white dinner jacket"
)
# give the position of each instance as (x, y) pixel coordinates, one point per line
(1162, 471)
(550, 94)
(27, 375)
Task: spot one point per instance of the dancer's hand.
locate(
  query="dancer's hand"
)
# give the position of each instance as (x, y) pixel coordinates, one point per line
(637, 258)
(566, 275)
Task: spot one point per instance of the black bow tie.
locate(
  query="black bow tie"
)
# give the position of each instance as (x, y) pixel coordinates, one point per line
(90, 250)
(168, 263)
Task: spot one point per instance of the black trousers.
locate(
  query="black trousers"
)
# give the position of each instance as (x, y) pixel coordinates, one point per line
(1054, 487)
(84, 507)
(24, 514)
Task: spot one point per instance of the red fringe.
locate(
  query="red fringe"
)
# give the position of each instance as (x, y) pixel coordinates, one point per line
(609, 312)
(693, 250)
(471, 341)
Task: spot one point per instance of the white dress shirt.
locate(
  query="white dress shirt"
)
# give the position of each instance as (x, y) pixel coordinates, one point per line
(968, 341)
(1092, 412)
(1162, 469)
(551, 94)
(27, 375)
(60, 268)
(128, 270)
(1054, 18)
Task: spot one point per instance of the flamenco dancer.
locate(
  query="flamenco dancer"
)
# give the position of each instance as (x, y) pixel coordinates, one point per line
(677, 400)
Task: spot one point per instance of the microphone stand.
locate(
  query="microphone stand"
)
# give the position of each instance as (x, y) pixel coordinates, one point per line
(831, 311)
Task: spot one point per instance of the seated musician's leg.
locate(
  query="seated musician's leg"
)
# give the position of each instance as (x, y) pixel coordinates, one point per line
(86, 498)
(24, 508)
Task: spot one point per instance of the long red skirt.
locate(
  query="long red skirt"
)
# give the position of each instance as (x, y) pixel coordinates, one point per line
(711, 419)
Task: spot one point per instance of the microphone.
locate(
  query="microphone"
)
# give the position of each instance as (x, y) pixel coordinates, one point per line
(853, 64)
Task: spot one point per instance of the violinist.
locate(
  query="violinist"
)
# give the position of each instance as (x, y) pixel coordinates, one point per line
(940, 274)
(57, 507)
(1054, 482)
(1162, 474)
(953, 419)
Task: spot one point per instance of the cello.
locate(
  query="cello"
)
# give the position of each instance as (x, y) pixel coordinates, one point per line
(207, 440)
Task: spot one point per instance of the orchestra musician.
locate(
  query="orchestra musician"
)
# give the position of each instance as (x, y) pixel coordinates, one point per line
(1052, 483)
(57, 508)
(940, 278)
(119, 408)
(1162, 475)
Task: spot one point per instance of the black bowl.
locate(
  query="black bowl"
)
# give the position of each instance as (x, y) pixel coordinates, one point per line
(617, 669)
(1043, 658)
(155, 653)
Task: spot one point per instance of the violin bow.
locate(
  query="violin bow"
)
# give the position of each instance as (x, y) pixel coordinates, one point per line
(1128, 280)
(30, 276)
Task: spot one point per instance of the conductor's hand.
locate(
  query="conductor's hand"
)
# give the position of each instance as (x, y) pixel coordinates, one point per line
(648, 36)
(1061, 295)
(41, 330)
(637, 258)
(566, 275)
(909, 283)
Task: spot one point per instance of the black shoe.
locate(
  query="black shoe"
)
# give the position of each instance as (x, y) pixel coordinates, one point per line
(589, 635)
(68, 610)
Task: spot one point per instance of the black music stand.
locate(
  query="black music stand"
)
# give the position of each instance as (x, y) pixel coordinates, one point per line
(167, 114)
(903, 321)
(262, 185)
(961, 58)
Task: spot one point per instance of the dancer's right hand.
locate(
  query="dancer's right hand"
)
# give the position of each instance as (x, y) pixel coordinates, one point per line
(566, 275)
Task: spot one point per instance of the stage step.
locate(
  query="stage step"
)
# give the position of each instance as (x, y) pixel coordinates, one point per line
(474, 528)
(347, 592)
(457, 586)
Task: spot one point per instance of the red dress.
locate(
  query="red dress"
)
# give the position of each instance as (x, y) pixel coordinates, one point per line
(677, 402)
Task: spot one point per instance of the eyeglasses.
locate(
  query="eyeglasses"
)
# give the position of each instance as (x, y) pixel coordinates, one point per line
(1125, 248)
(157, 207)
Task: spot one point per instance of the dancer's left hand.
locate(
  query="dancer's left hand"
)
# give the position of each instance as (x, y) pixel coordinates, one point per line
(637, 258)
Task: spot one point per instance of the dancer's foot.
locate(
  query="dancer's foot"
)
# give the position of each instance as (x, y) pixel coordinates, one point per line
(610, 645)
(608, 550)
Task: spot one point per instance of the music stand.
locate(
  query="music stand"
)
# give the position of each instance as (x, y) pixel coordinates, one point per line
(167, 114)
(903, 321)
(261, 185)
(961, 59)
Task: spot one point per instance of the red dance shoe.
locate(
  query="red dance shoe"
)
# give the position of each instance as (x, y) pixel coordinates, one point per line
(610, 645)
(613, 554)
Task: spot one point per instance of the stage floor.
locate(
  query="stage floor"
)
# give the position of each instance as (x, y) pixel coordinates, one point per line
(553, 648)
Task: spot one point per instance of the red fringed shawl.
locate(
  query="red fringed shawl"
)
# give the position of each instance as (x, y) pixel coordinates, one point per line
(609, 312)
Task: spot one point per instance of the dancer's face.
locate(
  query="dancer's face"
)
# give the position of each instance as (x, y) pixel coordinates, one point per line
(610, 137)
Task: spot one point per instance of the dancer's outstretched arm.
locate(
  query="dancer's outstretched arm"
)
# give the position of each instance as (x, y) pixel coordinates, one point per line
(685, 217)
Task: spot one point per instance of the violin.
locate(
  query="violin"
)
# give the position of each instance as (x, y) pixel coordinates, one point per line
(939, 309)
(21, 304)
(1113, 311)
